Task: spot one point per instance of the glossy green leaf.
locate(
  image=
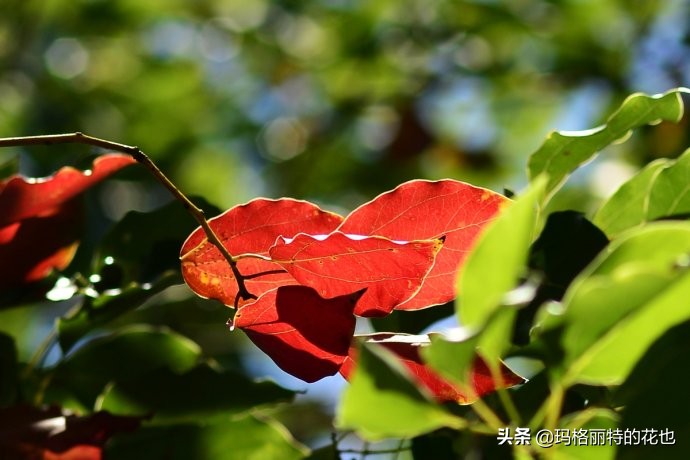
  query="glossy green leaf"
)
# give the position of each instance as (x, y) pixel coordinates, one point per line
(586, 435)
(243, 438)
(452, 359)
(121, 356)
(95, 313)
(563, 152)
(497, 261)
(636, 292)
(203, 393)
(660, 190)
(381, 402)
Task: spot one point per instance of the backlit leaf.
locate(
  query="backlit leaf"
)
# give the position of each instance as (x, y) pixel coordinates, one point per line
(40, 219)
(304, 334)
(463, 389)
(21, 198)
(249, 228)
(498, 261)
(659, 190)
(563, 152)
(425, 210)
(382, 400)
(338, 264)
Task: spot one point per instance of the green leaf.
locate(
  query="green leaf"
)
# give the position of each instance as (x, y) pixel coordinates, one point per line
(636, 292)
(9, 167)
(202, 393)
(452, 359)
(98, 312)
(144, 245)
(381, 402)
(564, 152)
(590, 441)
(497, 261)
(655, 396)
(121, 356)
(8, 370)
(244, 438)
(660, 190)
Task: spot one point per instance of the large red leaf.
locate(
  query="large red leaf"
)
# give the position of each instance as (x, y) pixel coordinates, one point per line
(21, 198)
(307, 336)
(251, 228)
(40, 219)
(406, 348)
(339, 264)
(421, 210)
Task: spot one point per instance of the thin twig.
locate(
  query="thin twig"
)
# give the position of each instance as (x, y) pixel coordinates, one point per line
(142, 158)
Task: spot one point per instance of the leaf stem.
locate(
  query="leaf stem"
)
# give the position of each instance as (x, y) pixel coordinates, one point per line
(136, 153)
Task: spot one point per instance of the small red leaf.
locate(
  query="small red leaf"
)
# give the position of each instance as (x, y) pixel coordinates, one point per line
(406, 348)
(421, 210)
(305, 335)
(339, 264)
(40, 219)
(21, 198)
(48, 433)
(251, 228)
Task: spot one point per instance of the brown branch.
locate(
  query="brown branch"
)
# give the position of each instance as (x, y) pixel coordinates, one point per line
(136, 153)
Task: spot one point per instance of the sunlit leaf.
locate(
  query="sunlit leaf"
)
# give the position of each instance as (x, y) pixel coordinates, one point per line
(636, 292)
(563, 152)
(462, 386)
(382, 401)
(421, 210)
(498, 260)
(251, 228)
(22, 198)
(304, 334)
(338, 264)
(40, 219)
(659, 190)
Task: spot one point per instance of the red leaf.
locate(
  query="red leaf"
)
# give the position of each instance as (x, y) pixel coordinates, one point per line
(36, 246)
(47, 433)
(339, 264)
(40, 219)
(307, 336)
(406, 348)
(21, 198)
(251, 228)
(424, 210)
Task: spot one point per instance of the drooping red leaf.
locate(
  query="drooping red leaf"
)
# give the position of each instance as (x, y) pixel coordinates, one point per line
(420, 210)
(48, 433)
(251, 228)
(40, 219)
(406, 348)
(339, 264)
(36, 246)
(21, 198)
(305, 335)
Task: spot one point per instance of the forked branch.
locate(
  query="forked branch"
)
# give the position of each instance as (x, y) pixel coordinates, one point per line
(142, 158)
